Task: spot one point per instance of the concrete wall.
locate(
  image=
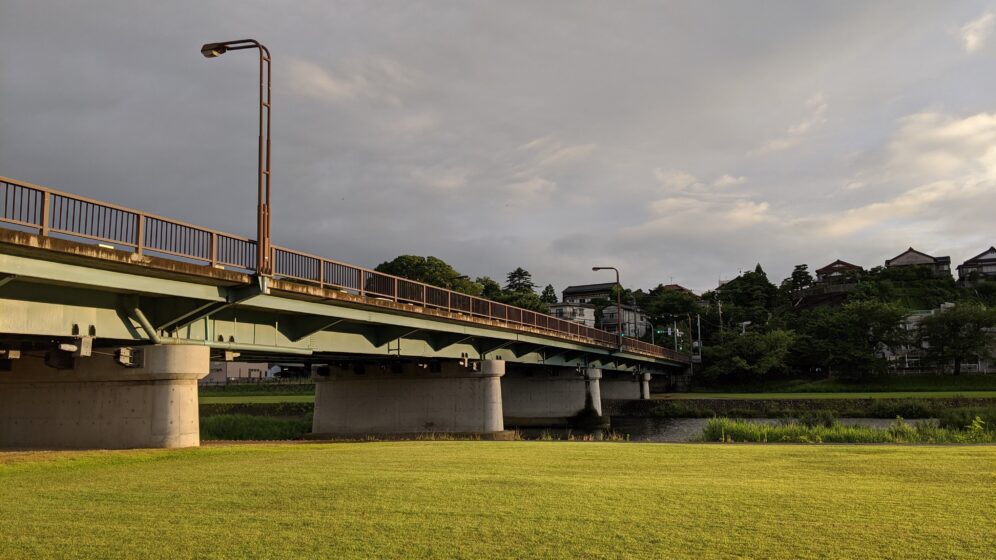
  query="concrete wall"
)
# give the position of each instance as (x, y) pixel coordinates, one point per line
(102, 404)
(414, 400)
(620, 386)
(549, 393)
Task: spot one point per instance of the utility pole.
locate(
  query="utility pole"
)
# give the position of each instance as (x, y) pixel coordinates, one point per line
(698, 319)
(675, 335)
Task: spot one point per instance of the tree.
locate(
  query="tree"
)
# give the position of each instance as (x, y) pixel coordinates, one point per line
(800, 278)
(490, 289)
(549, 295)
(429, 270)
(957, 333)
(520, 280)
(849, 340)
(750, 357)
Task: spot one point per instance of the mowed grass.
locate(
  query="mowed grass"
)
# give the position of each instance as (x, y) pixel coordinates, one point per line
(501, 500)
(864, 395)
(250, 399)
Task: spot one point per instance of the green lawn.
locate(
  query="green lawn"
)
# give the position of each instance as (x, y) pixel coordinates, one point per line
(867, 395)
(502, 500)
(241, 399)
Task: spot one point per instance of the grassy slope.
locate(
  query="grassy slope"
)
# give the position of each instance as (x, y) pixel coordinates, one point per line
(223, 399)
(500, 500)
(868, 395)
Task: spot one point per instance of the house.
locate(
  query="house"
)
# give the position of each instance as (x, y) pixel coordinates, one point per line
(222, 373)
(979, 267)
(912, 257)
(583, 313)
(634, 321)
(909, 358)
(838, 272)
(587, 292)
(679, 288)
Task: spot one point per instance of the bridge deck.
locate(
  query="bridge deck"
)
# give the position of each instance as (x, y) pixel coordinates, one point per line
(89, 233)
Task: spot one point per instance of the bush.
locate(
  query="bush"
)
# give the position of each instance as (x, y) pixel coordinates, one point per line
(247, 427)
(962, 418)
(729, 431)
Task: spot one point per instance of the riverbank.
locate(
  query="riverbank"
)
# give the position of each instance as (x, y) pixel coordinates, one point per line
(543, 500)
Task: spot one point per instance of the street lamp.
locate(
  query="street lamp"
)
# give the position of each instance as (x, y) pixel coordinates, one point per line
(618, 301)
(264, 267)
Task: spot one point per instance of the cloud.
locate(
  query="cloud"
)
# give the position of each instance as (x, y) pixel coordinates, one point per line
(375, 78)
(817, 107)
(441, 179)
(724, 181)
(947, 165)
(550, 152)
(676, 180)
(975, 33)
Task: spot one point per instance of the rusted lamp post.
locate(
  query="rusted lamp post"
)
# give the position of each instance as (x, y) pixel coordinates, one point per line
(264, 266)
(618, 301)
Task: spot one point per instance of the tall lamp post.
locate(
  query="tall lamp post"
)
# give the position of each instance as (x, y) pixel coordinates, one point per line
(618, 301)
(264, 266)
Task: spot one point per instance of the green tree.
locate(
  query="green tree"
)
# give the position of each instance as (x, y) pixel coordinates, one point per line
(800, 278)
(490, 289)
(430, 270)
(957, 333)
(520, 280)
(750, 357)
(850, 340)
(549, 295)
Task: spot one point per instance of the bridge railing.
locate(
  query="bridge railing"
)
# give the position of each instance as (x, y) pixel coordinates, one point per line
(53, 212)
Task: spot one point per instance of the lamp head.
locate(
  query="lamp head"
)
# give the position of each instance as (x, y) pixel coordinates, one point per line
(596, 268)
(212, 50)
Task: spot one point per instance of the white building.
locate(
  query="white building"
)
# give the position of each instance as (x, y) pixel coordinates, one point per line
(634, 321)
(224, 372)
(583, 313)
(910, 358)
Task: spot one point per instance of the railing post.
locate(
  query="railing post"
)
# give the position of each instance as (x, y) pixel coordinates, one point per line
(139, 232)
(361, 283)
(396, 299)
(46, 204)
(321, 272)
(449, 301)
(214, 249)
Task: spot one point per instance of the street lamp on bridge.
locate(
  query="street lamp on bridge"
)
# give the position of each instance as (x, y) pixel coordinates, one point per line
(264, 266)
(618, 301)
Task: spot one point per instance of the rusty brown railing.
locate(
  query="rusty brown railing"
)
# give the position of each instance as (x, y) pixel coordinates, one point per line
(53, 212)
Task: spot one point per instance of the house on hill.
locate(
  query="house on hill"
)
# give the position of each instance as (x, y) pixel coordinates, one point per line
(587, 292)
(583, 313)
(679, 288)
(979, 267)
(837, 272)
(912, 257)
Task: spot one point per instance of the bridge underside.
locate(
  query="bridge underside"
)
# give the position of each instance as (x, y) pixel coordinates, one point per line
(67, 309)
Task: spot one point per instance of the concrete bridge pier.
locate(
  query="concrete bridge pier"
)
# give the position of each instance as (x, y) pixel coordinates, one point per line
(626, 386)
(550, 396)
(97, 402)
(409, 398)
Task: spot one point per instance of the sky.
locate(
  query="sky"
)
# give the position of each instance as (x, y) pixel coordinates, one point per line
(678, 141)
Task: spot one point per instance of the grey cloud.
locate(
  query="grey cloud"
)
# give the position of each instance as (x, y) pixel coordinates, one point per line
(497, 135)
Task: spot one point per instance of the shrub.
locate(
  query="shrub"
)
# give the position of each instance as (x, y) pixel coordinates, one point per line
(246, 427)
(727, 430)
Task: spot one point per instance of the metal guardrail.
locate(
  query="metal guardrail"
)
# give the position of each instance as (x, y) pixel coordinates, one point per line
(54, 212)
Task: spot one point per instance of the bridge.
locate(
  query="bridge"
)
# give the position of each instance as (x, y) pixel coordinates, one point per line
(110, 315)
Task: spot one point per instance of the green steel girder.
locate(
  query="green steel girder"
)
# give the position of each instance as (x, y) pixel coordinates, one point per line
(50, 298)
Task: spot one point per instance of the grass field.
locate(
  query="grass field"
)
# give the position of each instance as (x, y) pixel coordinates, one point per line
(238, 399)
(502, 500)
(866, 395)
